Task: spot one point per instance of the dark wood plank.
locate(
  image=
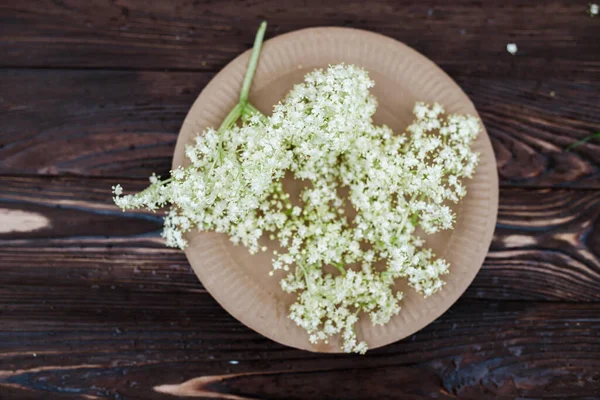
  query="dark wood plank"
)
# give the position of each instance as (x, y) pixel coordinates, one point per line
(546, 246)
(92, 305)
(66, 232)
(125, 123)
(129, 345)
(532, 122)
(96, 123)
(464, 37)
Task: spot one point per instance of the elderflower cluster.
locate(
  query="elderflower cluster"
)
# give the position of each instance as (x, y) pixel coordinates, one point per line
(340, 267)
(228, 187)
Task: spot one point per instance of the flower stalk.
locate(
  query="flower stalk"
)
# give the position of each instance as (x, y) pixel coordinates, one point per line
(258, 40)
(243, 107)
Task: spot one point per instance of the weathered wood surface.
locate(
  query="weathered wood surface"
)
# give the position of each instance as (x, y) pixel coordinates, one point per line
(546, 245)
(125, 344)
(555, 38)
(92, 305)
(125, 124)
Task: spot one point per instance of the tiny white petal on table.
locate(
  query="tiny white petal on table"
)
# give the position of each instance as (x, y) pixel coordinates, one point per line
(511, 48)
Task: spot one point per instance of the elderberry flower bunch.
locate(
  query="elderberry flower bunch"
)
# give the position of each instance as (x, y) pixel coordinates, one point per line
(340, 266)
(395, 184)
(227, 188)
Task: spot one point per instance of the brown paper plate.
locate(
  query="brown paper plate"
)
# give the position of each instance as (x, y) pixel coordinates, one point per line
(239, 281)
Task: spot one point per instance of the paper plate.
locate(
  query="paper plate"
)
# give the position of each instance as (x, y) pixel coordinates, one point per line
(240, 281)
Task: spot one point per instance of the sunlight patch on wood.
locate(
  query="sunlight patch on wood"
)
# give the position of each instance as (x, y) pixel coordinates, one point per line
(518, 240)
(197, 387)
(21, 221)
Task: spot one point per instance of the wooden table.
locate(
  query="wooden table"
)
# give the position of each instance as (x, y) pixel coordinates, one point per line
(94, 306)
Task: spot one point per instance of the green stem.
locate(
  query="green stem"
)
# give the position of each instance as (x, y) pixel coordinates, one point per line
(242, 105)
(340, 268)
(250, 109)
(582, 141)
(252, 64)
(228, 122)
(415, 217)
(405, 217)
(231, 118)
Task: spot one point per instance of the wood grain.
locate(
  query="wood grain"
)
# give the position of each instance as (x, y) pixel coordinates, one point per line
(129, 345)
(532, 122)
(125, 123)
(555, 38)
(546, 245)
(96, 123)
(93, 306)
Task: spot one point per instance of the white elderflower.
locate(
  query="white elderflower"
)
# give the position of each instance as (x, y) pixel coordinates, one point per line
(512, 48)
(594, 9)
(323, 132)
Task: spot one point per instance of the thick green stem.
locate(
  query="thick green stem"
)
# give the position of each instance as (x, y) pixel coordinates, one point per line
(253, 63)
(243, 107)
